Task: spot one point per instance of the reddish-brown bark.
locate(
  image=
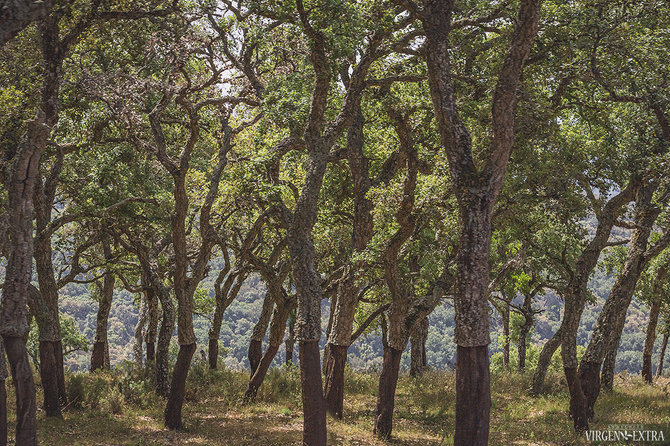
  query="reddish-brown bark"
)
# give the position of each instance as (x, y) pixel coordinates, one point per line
(388, 382)
(178, 387)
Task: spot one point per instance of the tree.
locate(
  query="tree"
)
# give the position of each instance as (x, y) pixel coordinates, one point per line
(476, 190)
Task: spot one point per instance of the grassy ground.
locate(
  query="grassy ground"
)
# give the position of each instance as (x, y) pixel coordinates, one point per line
(120, 409)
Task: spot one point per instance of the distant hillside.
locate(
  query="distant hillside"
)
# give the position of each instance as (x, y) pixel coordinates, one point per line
(365, 353)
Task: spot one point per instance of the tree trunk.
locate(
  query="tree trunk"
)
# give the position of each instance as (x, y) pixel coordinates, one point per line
(523, 334)
(99, 356)
(259, 375)
(544, 361)
(138, 351)
(418, 352)
(277, 330)
(607, 373)
(152, 326)
(388, 382)
(49, 379)
(472, 378)
(163, 345)
(3, 395)
(650, 339)
(505, 324)
(258, 334)
(290, 340)
(334, 383)
(314, 408)
(24, 386)
(661, 355)
(175, 400)
(571, 317)
(612, 318)
(3, 411)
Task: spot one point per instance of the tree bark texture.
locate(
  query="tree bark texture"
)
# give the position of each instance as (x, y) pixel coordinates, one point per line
(544, 361)
(258, 334)
(3, 395)
(651, 336)
(388, 382)
(152, 325)
(418, 351)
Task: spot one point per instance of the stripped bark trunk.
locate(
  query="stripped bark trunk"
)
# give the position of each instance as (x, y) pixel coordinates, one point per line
(661, 355)
(476, 192)
(388, 382)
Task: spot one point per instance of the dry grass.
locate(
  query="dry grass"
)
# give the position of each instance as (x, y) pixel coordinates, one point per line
(424, 415)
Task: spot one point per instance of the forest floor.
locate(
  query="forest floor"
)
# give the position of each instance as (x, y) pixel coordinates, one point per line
(120, 409)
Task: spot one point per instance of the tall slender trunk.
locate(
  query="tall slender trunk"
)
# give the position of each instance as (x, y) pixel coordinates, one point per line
(138, 351)
(152, 326)
(100, 355)
(505, 324)
(523, 335)
(388, 382)
(661, 355)
(650, 339)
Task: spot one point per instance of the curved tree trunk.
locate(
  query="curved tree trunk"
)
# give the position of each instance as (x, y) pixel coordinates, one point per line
(277, 330)
(650, 339)
(612, 318)
(178, 387)
(255, 352)
(661, 355)
(388, 382)
(544, 361)
(572, 315)
(418, 352)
